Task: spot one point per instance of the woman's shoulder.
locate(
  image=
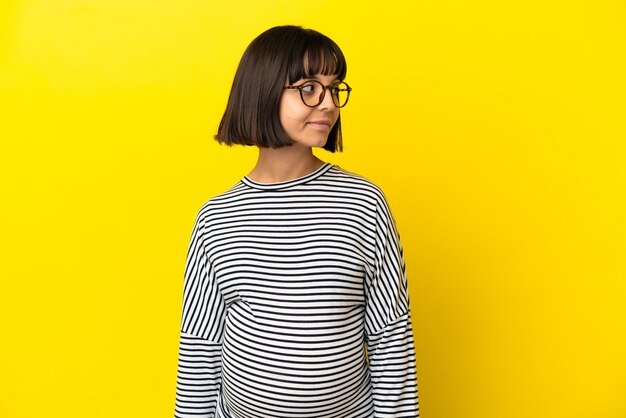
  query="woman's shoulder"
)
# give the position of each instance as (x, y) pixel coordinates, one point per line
(229, 198)
(357, 181)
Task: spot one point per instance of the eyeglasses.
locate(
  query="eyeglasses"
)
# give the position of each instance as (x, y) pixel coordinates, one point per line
(312, 92)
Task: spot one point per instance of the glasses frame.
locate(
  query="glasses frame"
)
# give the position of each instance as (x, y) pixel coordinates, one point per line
(323, 93)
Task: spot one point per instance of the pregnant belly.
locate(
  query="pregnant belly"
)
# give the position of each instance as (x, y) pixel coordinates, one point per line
(303, 366)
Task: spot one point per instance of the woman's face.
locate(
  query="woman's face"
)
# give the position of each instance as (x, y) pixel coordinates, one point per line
(305, 125)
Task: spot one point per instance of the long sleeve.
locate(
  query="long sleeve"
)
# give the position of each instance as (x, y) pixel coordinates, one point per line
(389, 334)
(199, 360)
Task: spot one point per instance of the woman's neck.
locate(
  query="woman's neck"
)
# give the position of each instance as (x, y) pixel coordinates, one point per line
(283, 164)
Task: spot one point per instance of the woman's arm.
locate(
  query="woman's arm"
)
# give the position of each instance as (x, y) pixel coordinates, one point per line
(199, 361)
(389, 334)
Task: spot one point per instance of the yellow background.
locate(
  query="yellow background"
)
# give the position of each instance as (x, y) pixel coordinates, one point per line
(496, 129)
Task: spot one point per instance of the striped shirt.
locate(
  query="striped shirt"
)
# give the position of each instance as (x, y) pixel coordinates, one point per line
(295, 304)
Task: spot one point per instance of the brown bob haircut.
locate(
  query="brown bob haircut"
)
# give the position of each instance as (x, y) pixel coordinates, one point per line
(276, 55)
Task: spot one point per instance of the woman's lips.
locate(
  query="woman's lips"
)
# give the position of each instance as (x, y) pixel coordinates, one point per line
(320, 125)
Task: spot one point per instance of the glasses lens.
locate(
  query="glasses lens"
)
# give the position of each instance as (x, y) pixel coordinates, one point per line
(311, 92)
(340, 92)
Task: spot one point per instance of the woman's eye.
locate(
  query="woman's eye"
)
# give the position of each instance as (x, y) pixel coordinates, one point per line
(308, 88)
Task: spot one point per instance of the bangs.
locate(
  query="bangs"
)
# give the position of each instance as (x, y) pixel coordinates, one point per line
(316, 55)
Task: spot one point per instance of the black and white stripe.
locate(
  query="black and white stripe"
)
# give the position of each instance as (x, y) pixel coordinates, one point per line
(295, 304)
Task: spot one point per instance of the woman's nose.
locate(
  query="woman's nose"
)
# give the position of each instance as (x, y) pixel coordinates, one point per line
(327, 102)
